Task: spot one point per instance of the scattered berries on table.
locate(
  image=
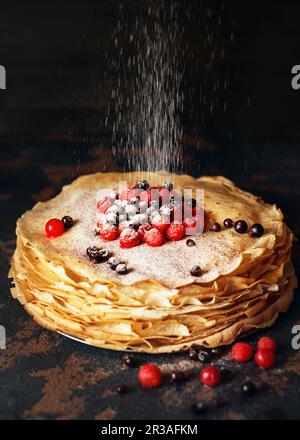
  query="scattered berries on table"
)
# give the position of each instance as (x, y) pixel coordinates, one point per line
(210, 376)
(267, 343)
(149, 376)
(264, 358)
(241, 352)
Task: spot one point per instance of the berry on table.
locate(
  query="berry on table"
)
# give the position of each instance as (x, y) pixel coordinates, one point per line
(175, 232)
(241, 352)
(109, 232)
(113, 262)
(267, 343)
(149, 376)
(264, 358)
(154, 237)
(129, 238)
(54, 228)
(210, 376)
(248, 388)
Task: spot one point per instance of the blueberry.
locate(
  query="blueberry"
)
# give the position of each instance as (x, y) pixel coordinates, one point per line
(241, 226)
(143, 184)
(257, 230)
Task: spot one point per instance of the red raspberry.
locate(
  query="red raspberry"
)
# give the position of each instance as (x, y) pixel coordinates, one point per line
(104, 204)
(210, 376)
(142, 230)
(176, 231)
(129, 238)
(54, 228)
(154, 237)
(241, 352)
(109, 232)
(123, 225)
(149, 376)
(160, 222)
(264, 358)
(267, 343)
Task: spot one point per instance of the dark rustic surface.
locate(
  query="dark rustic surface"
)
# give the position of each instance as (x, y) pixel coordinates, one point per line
(54, 53)
(45, 376)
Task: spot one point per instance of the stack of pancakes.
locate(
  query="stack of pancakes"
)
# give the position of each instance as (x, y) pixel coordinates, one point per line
(158, 306)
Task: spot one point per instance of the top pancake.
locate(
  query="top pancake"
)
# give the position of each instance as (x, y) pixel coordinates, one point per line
(222, 253)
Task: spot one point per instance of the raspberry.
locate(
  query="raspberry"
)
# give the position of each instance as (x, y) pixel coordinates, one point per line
(109, 232)
(264, 358)
(104, 204)
(176, 231)
(54, 228)
(210, 376)
(154, 237)
(129, 238)
(241, 352)
(160, 222)
(123, 225)
(267, 343)
(142, 230)
(149, 376)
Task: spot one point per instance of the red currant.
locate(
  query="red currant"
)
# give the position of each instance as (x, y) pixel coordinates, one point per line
(154, 237)
(54, 228)
(176, 231)
(241, 352)
(264, 358)
(149, 376)
(142, 230)
(267, 343)
(109, 232)
(160, 222)
(129, 238)
(210, 376)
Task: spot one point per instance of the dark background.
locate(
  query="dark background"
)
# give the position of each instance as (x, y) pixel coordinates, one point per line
(52, 130)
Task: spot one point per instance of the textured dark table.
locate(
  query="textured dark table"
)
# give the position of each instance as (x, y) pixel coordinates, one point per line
(45, 376)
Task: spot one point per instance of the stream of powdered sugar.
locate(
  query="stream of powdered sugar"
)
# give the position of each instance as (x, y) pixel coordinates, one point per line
(148, 98)
(165, 71)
